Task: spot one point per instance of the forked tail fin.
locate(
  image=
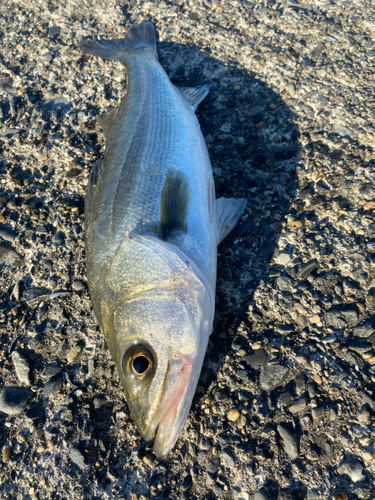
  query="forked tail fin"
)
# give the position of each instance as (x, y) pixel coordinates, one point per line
(139, 38)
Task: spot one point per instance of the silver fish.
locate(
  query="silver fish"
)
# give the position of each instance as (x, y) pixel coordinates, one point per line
(152, 228)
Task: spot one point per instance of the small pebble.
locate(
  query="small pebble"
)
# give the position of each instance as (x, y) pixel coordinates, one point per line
(22, 368)
(73, 353)
(13, 400)
(369, 205)
(50, 371)
(9, 257)
(58, 237)
(342, 495)
(317, 379)
(290, 440)
(7, 234)
(54, 30)
(53, 386)
(78, 457)
(273, 376)
(79, 286)
(298, 405)
(257, 359)
(311, 389)
(7, 453)
(343, 131)
(351, 468)
(228, 459)
(297, 223)
(149, 459)
(318, 413)
(233, 415)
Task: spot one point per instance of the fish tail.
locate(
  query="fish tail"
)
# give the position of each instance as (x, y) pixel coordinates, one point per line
(139, 38)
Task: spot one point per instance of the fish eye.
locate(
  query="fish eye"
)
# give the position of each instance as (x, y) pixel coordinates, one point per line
(138, 362)
(141, 365)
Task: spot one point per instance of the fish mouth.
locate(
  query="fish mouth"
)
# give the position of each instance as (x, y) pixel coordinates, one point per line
(170, 417)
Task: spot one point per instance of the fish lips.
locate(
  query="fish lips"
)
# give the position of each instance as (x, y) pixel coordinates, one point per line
(169, 419)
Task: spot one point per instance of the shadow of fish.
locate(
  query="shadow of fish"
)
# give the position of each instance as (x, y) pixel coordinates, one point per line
(152, 229)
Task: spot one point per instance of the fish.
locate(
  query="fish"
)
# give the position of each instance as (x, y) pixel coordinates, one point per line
(152, 227)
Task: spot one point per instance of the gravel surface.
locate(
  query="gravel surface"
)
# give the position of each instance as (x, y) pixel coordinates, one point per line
(286, 401)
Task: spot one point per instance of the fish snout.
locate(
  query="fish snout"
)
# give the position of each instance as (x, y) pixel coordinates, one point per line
(175, 404)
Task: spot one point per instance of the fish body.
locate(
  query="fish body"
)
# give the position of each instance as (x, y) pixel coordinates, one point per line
(152, 226)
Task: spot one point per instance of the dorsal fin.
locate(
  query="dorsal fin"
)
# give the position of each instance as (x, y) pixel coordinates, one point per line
(194, 95)
(105, 119)
(93, 180)
(174, 204)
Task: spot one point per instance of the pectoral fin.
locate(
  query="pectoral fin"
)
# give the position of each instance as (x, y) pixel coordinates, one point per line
(228, 211)
(174, 204)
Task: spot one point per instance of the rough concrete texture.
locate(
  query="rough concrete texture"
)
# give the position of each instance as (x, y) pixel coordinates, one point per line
(289, 125)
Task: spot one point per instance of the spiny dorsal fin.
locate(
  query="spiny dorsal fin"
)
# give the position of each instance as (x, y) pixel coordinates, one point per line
(105, 120)
(93, 181)
(174, 204)
(228, 211)
(194, 95)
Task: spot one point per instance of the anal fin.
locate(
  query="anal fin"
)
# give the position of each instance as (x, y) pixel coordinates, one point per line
(228, 211)
(175, 200)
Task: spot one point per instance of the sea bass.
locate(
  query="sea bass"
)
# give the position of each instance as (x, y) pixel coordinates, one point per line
(152, 226)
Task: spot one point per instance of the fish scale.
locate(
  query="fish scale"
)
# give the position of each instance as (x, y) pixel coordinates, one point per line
(152, 227)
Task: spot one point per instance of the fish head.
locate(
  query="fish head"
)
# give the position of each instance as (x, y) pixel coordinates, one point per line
(162, 335)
